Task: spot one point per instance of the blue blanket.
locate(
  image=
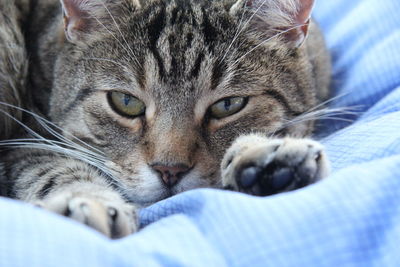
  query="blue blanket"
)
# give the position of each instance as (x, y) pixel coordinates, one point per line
(350, 219)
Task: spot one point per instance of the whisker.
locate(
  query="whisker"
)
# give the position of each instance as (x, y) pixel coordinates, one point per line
(323, 114)
(242, 27)
(40, 118)
(330, 100)
(29, 130)
(50, 142)
(39, 142)
(237, 32)
(40, 139)
(266, 41)
(67, 141)
(132, 54)
(113, 35)
(97, 163)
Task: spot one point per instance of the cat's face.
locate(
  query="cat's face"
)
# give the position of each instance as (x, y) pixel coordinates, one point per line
(164, 93)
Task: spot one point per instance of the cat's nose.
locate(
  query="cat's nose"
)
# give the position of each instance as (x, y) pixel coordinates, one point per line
(171, 174)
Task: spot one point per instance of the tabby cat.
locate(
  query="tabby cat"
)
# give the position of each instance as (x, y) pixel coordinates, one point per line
(142, 99)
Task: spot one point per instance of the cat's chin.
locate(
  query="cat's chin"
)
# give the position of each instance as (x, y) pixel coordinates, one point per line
(142, 200)
(149, 200)
(166, 193)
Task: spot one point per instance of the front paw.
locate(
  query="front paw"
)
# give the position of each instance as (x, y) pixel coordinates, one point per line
(261, 166)
(101, 209)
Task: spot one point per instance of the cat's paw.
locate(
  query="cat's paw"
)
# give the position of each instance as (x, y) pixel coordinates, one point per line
(104, 211)
(261, 166)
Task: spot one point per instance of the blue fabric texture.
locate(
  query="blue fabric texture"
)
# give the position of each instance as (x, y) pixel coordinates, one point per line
(350, 219)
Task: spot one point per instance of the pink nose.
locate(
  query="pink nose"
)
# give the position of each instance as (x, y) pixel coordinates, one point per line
(171, 174)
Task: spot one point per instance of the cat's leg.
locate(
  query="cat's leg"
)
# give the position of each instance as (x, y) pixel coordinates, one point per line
(263, 166)
(71, 188)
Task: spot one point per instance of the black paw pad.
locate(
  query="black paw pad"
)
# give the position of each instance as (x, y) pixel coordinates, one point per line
(248, 176)
(281, 178)
(265, 181)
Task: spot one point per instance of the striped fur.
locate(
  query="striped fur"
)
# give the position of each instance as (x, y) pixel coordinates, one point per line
(13, 61)
(177, 56)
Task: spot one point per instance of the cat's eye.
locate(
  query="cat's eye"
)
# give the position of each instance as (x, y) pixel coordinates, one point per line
(227, 107)
(126, 105)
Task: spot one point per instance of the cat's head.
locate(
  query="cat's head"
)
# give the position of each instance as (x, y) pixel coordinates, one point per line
(163, 87)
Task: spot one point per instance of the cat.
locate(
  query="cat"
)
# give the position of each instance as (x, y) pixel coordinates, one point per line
(133, 101)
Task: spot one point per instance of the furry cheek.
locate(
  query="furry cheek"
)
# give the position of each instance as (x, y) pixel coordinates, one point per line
(134, 126)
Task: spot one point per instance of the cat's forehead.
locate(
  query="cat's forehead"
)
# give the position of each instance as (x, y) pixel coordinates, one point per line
(178, 21)
(181, 43)
(185, 49)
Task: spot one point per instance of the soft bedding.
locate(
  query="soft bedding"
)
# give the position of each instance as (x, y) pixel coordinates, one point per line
(350, 219)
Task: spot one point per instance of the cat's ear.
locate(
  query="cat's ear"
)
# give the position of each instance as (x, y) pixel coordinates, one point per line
(86, 20)
(290, 18)
(80, 18)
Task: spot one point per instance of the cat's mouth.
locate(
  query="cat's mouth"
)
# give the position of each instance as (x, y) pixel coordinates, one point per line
(148, 189)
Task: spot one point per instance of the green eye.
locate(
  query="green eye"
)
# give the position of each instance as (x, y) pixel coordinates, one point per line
(126, 105)
(227, 107)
